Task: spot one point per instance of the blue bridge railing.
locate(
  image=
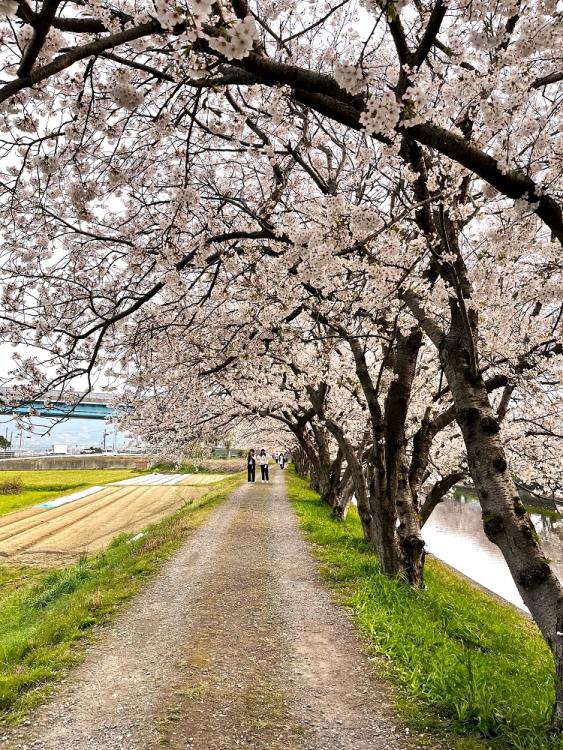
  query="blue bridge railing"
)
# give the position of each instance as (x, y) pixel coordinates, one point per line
(95, 409)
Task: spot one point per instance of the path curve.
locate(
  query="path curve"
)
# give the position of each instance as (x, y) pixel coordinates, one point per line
(235, 643)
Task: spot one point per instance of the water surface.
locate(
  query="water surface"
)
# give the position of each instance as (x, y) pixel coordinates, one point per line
(454, 533)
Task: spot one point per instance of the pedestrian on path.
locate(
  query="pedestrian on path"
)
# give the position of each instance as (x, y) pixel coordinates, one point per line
(281, 460)
(251, 463)
(263, 461)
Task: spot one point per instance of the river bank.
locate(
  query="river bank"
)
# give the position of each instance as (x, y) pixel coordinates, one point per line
(464, 664)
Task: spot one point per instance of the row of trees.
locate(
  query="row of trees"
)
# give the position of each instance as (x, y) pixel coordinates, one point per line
(338, 221)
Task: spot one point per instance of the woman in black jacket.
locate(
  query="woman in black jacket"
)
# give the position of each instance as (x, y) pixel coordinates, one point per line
(251, 462)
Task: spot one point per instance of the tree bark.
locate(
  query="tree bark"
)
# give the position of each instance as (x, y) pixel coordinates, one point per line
(323, 468)
(382, 506)
(398, 488)
(358, 479)
(411, 543)
(344, 500)
(300, 461)
(505, 520)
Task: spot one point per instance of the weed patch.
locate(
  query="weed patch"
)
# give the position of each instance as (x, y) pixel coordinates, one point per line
(12, 486)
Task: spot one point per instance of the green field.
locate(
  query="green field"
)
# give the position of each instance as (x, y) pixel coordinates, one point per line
(47, 617)
(463, 663)
(44, 485)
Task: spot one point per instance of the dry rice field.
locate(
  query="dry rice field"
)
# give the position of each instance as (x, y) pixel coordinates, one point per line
(60, 531)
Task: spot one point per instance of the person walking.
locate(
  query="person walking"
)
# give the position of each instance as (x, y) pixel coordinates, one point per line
(263, 461)
(251, 463)
(281, 460)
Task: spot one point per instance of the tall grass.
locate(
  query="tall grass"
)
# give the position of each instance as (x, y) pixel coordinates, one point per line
(462, 662)
(46, 617)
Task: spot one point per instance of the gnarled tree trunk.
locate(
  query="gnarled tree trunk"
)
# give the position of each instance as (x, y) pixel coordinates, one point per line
(344, 500)
(505, 520)
(301, 461)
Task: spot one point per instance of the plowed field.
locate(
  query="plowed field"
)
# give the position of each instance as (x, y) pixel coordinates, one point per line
(161, 479)
(58, 535)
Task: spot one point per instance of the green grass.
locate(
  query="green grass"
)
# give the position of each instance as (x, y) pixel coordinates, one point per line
(182, 469)
(463, 663)
(39, 486)
(47, 617)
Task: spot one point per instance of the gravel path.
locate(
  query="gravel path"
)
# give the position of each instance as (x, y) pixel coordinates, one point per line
(234, 644)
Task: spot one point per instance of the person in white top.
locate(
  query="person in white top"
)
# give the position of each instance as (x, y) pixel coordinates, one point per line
(263, 459)
(281, 460)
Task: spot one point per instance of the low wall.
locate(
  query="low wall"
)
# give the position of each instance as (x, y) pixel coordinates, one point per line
(74, 462)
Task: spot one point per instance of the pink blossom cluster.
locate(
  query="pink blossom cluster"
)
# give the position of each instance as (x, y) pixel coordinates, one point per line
(239, 41)
(381, 114)
(124, 93)
(349, 77)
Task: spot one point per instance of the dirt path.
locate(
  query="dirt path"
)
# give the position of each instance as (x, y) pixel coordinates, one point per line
(234, 644)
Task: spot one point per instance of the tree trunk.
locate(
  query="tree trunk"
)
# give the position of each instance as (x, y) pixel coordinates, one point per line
(322, 466)
(300, 461)
(332, 491)
(358, 479)
(505, 520)
(343, 501)
(381, 530)
(312, 460)
(399, 499)
(410, 540)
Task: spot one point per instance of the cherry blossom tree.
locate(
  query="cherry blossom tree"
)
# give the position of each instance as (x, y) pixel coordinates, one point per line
(478, 86)
(383, 178)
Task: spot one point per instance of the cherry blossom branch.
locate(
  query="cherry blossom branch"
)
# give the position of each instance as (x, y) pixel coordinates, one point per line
(78, 53)
(43, 21)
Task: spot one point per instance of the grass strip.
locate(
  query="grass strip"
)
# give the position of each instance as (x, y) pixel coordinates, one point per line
(39, 486)
(46, 618)
(181, 469)
(465, 666)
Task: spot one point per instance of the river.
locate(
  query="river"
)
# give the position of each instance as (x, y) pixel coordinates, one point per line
(454, 533)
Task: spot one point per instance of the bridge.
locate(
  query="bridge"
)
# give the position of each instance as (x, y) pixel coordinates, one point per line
(90, 406)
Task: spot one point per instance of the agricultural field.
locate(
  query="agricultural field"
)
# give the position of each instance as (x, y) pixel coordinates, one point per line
(59, 531)
(19, 489)
(168, 478)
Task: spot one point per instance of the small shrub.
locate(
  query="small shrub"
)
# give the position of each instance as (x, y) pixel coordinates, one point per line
(13, 486)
